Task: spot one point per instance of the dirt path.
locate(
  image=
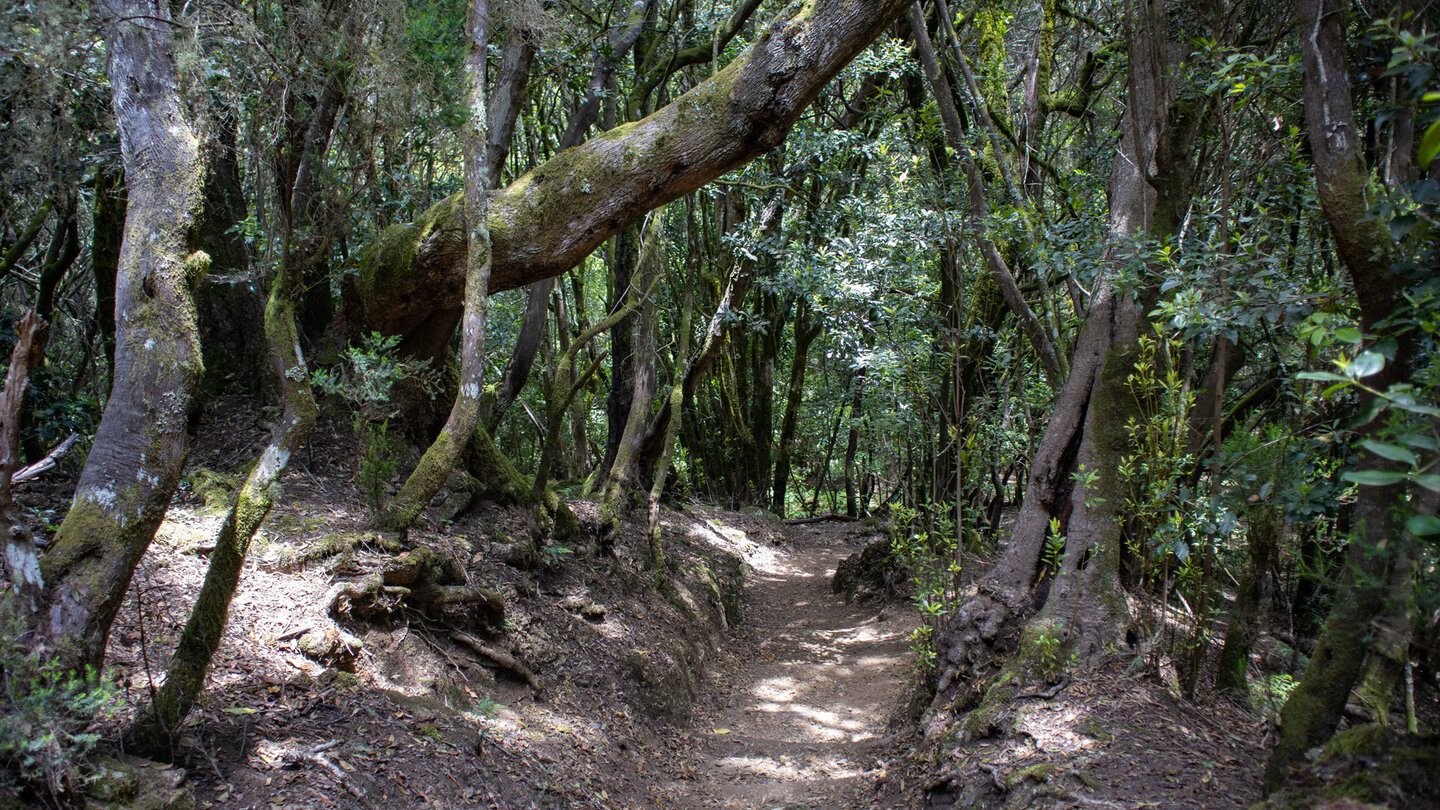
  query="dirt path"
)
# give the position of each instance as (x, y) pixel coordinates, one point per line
(798, 718)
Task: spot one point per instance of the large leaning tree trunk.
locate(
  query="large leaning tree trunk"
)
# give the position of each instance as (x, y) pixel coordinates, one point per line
(141, 443)
(1072, 477)
(411, 280)
(1342, 181)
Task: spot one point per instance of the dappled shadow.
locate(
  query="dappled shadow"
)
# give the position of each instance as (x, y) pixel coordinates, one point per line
(804, 717)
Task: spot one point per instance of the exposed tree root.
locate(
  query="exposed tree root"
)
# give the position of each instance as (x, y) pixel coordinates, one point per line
(500, 657)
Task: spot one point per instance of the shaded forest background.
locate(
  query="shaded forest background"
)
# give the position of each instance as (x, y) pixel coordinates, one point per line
(1136, 300)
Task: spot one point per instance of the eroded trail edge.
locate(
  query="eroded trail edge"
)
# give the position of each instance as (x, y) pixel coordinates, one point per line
(798, 714)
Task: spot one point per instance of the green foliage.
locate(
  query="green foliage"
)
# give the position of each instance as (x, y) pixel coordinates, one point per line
(366, 381)
(1157, 505)
(930, 556)
(47, 708)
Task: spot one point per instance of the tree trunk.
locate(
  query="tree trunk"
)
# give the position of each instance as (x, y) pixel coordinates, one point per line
(806, 330)
(547, 221)
(107, 233)
(1315, 706)
(1263, 540)
(852, 442)
(141, 443)
(440, 459)
(22, 556)
(623, 478)
(1072, 479)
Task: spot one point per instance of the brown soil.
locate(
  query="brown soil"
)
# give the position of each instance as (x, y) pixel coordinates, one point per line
(800, 714)
(681, 697)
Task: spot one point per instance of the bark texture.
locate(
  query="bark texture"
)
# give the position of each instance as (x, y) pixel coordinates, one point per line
(1342, 181)
(548, 220)
(141, 442)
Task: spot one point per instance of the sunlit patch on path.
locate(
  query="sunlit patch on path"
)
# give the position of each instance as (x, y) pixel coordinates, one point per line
(800, 719)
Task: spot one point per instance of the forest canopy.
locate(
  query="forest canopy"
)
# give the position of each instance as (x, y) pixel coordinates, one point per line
(1135, 302)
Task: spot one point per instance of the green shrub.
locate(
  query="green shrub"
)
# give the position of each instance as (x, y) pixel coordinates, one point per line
(44, 737)
(365, 380)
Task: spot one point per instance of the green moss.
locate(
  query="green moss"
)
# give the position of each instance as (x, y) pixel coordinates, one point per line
(388, 261)
(1036, 773)
(1368, 764)
(215, 488)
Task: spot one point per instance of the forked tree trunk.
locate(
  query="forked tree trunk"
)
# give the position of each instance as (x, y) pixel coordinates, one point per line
(1072, 479)
(141, 443)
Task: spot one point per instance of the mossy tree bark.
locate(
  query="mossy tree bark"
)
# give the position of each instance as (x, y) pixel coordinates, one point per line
(411, 281)
(1342, 181)
(439, 460)
(1072, 477)
(185, 678)
(1263, 541)
(141, 443)
(623, 480)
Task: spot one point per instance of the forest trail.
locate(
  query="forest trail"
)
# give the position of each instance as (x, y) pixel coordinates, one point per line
(798, 715)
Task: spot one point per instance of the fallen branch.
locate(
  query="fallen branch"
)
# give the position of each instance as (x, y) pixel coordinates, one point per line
(47, 463)
(821, 519)
(504, 659)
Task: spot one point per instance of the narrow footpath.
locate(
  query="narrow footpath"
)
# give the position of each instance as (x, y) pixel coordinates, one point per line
(798, 715)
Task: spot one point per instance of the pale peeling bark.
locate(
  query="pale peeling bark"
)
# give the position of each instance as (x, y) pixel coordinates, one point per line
(550, 219)
(141, 443)
(22, 556)
(439, 460)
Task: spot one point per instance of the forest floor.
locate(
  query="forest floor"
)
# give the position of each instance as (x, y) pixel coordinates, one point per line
(743, 683)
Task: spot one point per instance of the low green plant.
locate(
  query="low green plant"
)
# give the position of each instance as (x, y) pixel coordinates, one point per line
(930, 556)
(44, 736)
(366, 380)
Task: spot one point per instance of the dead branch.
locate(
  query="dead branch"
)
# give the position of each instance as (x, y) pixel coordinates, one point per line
(47, 463)
(504, 659)
(821, 519)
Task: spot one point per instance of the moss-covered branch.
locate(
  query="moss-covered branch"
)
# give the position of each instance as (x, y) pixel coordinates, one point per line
(412, 278)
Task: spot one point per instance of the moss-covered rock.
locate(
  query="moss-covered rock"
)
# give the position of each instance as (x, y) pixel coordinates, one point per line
(876, 571)
(130, 783)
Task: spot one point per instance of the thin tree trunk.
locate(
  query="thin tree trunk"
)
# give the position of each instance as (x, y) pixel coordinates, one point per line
(440, 459)
(1263, 541)
(1039, 338)
(852, 442)
(806, 331)
(623, 479)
